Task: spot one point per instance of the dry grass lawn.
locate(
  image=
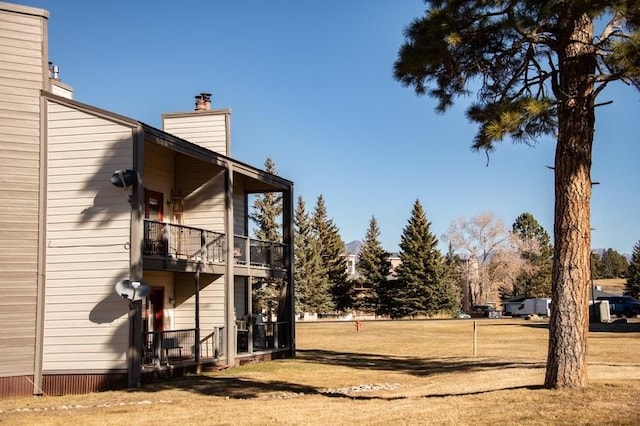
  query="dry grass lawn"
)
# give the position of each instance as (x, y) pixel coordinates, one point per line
(611, 285)
(391, 372)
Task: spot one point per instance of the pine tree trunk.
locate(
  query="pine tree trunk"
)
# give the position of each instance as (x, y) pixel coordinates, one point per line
(569, 324)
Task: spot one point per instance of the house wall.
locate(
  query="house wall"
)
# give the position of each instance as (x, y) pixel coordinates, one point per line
(159, 170)
(88, 233)
(202, 188)
(61, 89)
(166, 280)
(22, 76)
(205, 128)
(212, 312)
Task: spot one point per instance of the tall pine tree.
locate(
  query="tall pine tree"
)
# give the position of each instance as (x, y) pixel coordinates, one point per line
(614, 265)
(538, 67)
(632, 287)
(421, 289)
(454, 281)
(535, 249)
(267, 216)
(267, 211)
(374, 266)
(311, 284)
(334, 262)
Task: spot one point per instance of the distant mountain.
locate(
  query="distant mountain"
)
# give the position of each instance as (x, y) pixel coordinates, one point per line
(353, 247)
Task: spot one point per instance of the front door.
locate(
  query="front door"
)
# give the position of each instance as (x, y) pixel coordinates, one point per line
(153, 325)
(155, 309)
(153, 205)
(155, 242)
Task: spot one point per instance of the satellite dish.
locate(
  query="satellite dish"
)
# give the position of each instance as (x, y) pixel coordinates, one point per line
(132, 290)
(124, 178)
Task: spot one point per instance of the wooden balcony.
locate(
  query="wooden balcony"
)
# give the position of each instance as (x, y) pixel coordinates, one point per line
(189, 347)
(183, 248)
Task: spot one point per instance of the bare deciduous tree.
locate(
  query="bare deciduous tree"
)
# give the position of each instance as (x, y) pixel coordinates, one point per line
(492, 259)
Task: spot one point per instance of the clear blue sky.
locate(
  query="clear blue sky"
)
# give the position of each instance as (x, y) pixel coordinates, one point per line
(309, 84)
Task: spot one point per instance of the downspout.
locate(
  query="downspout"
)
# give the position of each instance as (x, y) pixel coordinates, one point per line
(134, 353)
(229, 279)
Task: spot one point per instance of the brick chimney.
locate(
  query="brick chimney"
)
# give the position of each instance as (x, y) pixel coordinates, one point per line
(203, 102)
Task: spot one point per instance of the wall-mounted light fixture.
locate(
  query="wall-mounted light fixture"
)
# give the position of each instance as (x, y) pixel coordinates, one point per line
(177, 205)
(176, 201)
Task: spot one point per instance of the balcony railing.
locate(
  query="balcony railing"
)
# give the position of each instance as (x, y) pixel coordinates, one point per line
(261, 337)
(168, 347)
(175, 347)
(259, 253)
(165, 347)
(198, 245)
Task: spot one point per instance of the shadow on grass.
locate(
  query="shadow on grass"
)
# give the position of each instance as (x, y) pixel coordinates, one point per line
(615, 327)
(239, 388)
(230, 387)
(409, 365)
(430, 396)
(245, 388)
(529, 324)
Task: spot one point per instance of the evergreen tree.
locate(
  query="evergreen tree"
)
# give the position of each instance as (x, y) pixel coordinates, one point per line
(420, 288)
(632, 287)
(454, 276)
(334, 262)
(267, 211)
(539, 68)
(596, 265)
(374, 266)
(535, 248)
(614, 265)
(311, 284)
(267, 215)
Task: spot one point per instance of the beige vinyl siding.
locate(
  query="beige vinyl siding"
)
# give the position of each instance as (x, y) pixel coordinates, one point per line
(202, 188)
(165, 280)
(205, 128)
(61, 89)
(211, 302)
(88, 235)
(21, 79)
(159, 165)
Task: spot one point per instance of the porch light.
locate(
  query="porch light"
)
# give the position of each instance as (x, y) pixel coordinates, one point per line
(177, 205)
(176, 201)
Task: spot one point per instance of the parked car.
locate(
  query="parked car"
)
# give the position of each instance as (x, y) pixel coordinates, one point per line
(487, 311)
(463, 315)
(622, 305)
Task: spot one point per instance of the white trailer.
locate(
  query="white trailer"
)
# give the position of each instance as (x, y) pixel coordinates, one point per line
(538, 306)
